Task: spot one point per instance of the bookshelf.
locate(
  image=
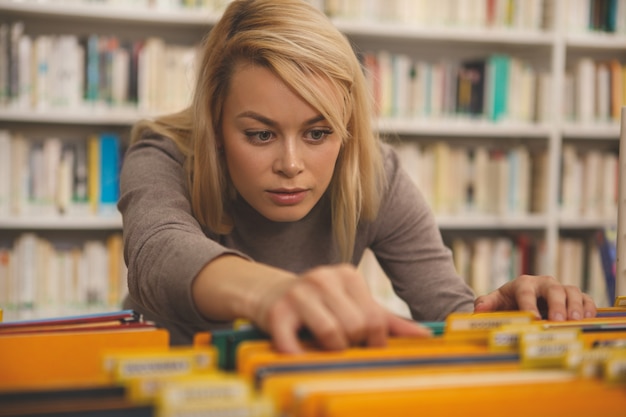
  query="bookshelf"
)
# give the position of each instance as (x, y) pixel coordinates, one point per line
(551, 40)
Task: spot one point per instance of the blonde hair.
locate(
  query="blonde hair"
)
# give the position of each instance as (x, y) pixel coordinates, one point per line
(301, 46)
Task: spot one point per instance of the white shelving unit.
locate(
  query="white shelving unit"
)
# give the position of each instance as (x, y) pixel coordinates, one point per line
(552, 49)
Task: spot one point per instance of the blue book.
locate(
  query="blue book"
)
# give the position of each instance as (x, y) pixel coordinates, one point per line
(607, 240)
(92, 69)
(109, 172)
(498, 87)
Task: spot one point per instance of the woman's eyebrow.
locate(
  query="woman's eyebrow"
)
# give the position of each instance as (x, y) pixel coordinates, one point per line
(269, 122)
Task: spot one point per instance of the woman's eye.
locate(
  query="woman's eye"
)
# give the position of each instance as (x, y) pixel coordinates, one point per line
(319, 134)
(259, 136)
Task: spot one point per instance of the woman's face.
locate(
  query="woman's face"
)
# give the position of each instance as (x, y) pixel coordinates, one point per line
(280, 151)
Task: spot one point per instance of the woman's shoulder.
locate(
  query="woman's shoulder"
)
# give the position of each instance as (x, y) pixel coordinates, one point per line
(151, 139)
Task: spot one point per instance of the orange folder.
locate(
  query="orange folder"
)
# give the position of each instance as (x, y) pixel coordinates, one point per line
(252, 355)
(545, 393)
(281, 387)
(66, 358)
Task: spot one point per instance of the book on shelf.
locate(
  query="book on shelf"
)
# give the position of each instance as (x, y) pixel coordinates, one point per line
(39, 279)
(606, 239)
(95, 72)
(56, 176)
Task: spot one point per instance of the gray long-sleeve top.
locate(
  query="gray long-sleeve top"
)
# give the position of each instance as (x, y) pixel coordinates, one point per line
(165, 247)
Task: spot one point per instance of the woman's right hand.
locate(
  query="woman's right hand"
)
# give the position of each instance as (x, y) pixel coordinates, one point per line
(335, 305)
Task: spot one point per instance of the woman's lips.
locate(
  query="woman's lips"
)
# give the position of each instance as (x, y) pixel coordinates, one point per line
(287, 197)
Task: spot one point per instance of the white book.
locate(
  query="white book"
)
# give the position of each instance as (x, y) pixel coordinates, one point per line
(620, 24)
(519, 177)
(585, 90)
(609, 167)
(5, 173)
(42, 51)
(42, 274)
(571, 181)
(592, 184)
(603, 92)
(25, 88)
(401, 79)
(501, 262)
(544, 112)
(458, 180)
(26, 258)
(52, 150)
(481, 179)
(435, 105)
(4, 63)
(443, 178)
(20, 175)
(67, 72)
(97, 285)
(38, 180)
(538, 182)
(120, 72)
(481, 266)
(65, 180)
(570, 262)
(385, 80)
(578, 15)
(462, 256)
(426, 174)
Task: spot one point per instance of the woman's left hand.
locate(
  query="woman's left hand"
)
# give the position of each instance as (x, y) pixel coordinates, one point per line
(535, 292)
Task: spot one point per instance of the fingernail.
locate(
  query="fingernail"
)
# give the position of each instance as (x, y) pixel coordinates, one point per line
(576, 315)
(558, 317)
(588, 314)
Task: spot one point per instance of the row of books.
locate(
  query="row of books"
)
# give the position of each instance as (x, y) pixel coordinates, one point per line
(589, 183)
(95, 71)
(477, 179)
(495, 88)
(514, 14)
(596, 15)
(479, 364)
(39, 279)
(148, 4)
(54, 176)
(608, 16)
(487, 262)
(594, 90)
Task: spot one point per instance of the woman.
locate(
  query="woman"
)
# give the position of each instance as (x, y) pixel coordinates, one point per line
(259, 199)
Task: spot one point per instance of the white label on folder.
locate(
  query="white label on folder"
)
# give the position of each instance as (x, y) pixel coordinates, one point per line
(485, 323)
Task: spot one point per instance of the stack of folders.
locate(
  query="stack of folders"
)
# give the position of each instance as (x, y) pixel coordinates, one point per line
(114, 364)
(484, 364)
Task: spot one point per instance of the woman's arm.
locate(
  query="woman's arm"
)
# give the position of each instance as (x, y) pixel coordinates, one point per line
(164, 245)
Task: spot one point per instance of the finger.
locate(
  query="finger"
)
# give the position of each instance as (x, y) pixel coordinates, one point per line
(352, 315)
(574, 303)
(589, 307)
(284, 330)
(321, 322)
(401, 327)
(489, 302)
(556, 297)
(526, 299)
(361, 317)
